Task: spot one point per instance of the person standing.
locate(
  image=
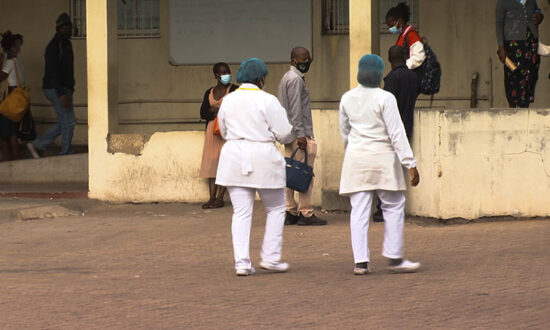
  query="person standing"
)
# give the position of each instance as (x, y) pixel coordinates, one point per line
(397, 20)
(12, 69)
(250, 121)
(376, 152)
(213, 143)
(58, 86)
(517, 24)
(294, 97)
(404, 85)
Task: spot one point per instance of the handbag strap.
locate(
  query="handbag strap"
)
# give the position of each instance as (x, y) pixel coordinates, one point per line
(294, 154)
(15, 65)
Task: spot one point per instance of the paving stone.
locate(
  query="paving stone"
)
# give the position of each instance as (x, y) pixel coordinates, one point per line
(46, 212)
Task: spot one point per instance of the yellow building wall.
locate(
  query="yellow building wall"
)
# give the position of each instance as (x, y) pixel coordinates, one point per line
(473, 164)
(156, 96)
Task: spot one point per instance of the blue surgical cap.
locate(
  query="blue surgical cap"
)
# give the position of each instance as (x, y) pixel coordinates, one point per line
(371, 68)
(251, 70)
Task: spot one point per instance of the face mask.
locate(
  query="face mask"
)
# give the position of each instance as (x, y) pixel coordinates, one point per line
(395, 30)
(225, 79)
(303, 67)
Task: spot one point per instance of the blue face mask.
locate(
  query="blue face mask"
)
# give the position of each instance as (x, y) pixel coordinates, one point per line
(225, 79)
(395, 30)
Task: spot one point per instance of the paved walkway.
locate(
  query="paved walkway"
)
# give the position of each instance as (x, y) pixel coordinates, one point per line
(170, 266)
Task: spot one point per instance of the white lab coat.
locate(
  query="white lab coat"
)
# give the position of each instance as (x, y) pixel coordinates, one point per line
(251, 120)
(375, 140)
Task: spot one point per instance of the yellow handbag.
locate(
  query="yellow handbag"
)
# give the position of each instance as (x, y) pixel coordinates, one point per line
(17, 102)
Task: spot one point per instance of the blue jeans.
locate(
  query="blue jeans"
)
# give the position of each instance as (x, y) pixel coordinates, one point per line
(64, 126)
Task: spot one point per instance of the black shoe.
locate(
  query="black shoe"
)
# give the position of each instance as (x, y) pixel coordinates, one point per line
(311, 221)
(291, 219)
(378, 217)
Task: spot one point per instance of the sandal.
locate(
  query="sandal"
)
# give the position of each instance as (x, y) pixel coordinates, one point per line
(208, 205)
(217, 204)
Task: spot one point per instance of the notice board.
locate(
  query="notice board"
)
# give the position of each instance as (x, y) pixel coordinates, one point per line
(210, 31)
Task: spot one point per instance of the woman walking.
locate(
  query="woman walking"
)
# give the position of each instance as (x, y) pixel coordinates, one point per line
(517, 24)
(251, 120)
(377, 149)
(213, 142)
(13, 70)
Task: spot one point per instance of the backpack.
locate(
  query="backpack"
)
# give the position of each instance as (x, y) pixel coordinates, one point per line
(429, 73)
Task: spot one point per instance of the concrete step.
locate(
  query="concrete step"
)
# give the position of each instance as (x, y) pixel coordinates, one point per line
(68, 169)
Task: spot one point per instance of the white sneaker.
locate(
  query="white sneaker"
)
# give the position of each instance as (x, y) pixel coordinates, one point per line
(32, 150)
(280, 267)
(405, 266)
(361, 271)
(246, 271)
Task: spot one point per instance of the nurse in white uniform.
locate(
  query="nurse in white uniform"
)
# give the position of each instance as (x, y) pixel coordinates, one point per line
(377, 149)
(251, 120)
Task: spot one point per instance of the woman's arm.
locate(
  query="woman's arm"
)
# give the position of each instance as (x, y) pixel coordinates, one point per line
(345, 127)
(500, 16)
(417, 55)
(7, 67)
(221, 122)
(277, 121)
(3, 76)
(205, 107)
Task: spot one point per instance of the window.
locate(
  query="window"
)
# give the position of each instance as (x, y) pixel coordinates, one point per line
(336, 15)
(136, 18)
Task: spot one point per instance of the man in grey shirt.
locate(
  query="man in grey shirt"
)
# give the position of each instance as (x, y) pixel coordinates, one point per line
(294, 97)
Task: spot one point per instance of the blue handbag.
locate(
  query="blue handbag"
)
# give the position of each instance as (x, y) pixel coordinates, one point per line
(298, 174)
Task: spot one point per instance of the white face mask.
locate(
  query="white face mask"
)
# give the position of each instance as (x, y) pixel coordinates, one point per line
(225, 79)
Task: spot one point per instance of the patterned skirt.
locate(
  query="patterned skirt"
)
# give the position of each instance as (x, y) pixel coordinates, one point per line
(520, 84)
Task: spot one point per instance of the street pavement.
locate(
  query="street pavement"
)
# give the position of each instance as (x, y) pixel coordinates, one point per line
(170, 266)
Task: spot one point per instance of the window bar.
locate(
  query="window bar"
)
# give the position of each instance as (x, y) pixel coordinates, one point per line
(151, 17)
(338, 16)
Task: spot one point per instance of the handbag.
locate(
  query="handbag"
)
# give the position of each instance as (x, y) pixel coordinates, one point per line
(17, 102)
(27, 130)
(544, 50)
(216, 129)
(298, 174)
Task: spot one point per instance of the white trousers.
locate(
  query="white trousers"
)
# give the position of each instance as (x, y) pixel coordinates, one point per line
(243, 204)
(393, 209)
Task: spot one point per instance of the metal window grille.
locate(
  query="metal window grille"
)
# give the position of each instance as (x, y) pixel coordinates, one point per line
(336, 15)
(136, 18)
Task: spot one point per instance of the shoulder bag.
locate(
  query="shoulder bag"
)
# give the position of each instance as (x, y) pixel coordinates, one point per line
(17, 102)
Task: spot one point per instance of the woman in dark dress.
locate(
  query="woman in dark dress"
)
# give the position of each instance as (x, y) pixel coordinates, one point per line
(518, 39)
(213, 143)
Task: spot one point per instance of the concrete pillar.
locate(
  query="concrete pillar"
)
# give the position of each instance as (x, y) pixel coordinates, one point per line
(101, 44)
(364, 35)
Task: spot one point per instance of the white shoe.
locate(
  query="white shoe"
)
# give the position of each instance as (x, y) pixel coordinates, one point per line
(32, 150)
(361, 271)
(280, 267)
(405, 266)
(246, 271)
